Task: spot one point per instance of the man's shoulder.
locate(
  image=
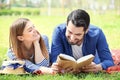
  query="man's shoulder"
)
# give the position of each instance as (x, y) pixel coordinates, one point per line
(94, 30)
(61, 26)
(93, 27)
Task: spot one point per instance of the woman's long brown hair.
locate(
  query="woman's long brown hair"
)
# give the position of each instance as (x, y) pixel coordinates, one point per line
(16, 29)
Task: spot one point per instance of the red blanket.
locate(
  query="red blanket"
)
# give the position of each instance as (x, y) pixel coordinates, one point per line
(116, 58)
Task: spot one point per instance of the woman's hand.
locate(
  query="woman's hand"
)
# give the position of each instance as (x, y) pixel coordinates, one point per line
(37, 37)
(92, 68)
(37, 47)
(37, 72)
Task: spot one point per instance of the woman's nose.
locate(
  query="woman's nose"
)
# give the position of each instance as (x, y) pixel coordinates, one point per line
(35, 31)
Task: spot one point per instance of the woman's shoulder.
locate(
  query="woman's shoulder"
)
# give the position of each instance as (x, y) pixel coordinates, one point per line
(11, 54)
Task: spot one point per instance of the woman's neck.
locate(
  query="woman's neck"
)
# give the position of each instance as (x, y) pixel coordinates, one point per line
(28, 49)
(28, 45)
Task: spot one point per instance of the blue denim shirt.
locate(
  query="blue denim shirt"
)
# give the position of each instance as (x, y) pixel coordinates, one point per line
(94, 43)
(29, 66)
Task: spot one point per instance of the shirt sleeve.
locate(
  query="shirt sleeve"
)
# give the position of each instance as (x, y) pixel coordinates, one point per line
(104, 52)
(29, 66)
(57, 45)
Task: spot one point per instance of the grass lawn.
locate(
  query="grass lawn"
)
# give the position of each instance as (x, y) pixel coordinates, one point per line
(108, 22)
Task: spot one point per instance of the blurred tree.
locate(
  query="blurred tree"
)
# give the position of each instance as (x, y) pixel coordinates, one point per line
(49, 7)
(118, 6)
(5, 4)
(66, 4)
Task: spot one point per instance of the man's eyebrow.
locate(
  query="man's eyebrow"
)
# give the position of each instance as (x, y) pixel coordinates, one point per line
(78, 34)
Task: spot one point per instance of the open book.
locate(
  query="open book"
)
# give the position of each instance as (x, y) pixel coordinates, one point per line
(66, 61)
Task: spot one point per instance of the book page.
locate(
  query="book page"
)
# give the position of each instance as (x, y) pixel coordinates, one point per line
(66, 57)
(84, 61)
(84, 58)
(66, 61)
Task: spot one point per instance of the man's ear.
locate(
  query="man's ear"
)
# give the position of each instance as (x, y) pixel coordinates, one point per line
(20, 38)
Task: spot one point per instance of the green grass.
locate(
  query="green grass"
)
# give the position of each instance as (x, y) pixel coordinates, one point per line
(108, 22)
(82, 76)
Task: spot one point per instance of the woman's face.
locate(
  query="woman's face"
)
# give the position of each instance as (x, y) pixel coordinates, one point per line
(30, 34)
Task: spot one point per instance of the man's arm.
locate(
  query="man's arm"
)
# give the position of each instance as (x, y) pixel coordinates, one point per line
(57, 45)
(104, 52)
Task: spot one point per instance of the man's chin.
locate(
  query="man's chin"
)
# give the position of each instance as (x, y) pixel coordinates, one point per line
(71, 43)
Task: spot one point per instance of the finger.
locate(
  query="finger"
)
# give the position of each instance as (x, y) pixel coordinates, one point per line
(55, 67)
(69, 70)
(92, 64)
(90, 70)
(87, 68)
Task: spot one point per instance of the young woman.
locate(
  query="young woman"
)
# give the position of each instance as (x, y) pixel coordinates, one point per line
(27, 44)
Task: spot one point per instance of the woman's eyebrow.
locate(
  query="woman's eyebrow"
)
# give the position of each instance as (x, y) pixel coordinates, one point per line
(29, 28)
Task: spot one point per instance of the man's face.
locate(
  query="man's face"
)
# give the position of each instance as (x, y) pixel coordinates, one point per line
(74, 34)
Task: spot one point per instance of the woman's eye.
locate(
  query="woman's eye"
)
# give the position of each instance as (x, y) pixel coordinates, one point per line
(30, 30)
(33, 26)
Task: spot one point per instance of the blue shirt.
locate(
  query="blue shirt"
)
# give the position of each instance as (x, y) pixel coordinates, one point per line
(94, 43)
(30, 66)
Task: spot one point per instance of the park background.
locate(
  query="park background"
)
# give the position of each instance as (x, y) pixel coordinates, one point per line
(47, 14)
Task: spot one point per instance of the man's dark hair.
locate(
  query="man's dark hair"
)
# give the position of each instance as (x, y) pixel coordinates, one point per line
(79, 18)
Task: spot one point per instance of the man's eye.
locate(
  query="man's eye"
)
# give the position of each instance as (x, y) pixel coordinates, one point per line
(70, 32)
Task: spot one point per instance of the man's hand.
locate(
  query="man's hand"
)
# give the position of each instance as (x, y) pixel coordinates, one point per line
(57, 68)
(47, 70)
(92, 68)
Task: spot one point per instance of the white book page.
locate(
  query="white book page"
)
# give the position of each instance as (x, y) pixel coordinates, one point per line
(84, 58)
(67, 57)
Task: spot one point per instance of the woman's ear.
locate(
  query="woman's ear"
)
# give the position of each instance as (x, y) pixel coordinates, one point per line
(20, 38)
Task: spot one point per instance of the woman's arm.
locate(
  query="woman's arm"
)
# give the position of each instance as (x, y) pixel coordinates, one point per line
(29, 66)
(38, 53)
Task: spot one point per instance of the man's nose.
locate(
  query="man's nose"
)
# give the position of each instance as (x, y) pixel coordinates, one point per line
(72, 38)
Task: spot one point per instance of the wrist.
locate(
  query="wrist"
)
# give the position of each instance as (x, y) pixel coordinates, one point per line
(36, 43)
(100, 67)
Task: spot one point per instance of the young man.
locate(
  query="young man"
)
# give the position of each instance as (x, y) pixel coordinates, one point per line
(78, 38)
